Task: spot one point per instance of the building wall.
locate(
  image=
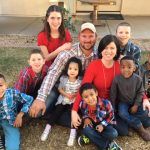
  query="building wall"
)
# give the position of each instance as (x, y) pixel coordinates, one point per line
(136, 7)
(23, 7)
(39, 7)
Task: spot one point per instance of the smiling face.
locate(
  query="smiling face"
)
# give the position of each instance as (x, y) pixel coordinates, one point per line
(87, 40)
(109, 52)
(73, 70)
(36, 61)
(3, 87)
(54, 20)
(90, 96)
(123, 34)
(127, 67)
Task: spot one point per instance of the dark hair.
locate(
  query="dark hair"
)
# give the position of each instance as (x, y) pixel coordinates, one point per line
(128, 57)
(2, 76)
(106, 40)
(126, 24)
(73, 60)
(86, 86)
(36, 51)
(47, 28)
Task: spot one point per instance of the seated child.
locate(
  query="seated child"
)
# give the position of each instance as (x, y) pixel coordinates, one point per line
(31, 77)
(10, 120)
(123, 33)
(68, 87)
(128, 89)
(97, 115)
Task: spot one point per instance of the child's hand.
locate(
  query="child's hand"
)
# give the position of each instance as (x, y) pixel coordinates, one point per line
(18, 120)
(70, 96)
(133, 109)
(99, 128)
(87, 122)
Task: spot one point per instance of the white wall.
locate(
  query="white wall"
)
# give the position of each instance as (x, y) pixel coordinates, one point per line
(23, 7)
(136, 7)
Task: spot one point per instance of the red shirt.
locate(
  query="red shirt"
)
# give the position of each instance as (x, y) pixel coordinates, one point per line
(101, 77)
(53, 43)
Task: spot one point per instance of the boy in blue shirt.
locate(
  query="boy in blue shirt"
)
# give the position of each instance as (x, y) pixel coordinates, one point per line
(10, 119)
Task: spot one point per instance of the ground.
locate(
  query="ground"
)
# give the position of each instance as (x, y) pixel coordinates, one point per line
(14, 51)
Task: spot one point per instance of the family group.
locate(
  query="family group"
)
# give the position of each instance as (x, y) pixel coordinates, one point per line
(100, 90)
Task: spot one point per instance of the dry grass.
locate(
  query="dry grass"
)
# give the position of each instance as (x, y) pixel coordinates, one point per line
(14, 59)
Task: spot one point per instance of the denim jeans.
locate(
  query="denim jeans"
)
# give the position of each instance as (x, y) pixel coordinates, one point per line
(65, 118)
(12, 136)
(101, 140)
(133, 120)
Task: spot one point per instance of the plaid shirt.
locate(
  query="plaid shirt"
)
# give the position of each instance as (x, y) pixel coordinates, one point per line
(103, 114)
(29, 82)
(8, 105)
(132, 50)
(59, 64)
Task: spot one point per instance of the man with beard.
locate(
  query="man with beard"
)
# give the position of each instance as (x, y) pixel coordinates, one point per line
(84, 50)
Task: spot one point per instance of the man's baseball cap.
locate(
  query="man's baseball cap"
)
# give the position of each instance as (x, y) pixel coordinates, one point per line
(89, 26)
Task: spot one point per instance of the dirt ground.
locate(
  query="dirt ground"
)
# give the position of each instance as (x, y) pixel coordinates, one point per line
(58, 138)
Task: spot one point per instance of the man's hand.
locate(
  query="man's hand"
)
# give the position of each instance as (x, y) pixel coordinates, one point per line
(99, 128)
(146, 105)
(36, 107)
(18, 120)
(133, 109)
(75, 119)
(87, 122)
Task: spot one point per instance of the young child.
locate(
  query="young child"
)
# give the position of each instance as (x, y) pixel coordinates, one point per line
(31, 77)
(97, 115)
(68, 87)
(128, 89)
(123, 33)
(10, 120)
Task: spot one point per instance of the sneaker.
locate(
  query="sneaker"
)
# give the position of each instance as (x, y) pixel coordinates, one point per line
(83, 140)
(114, 146)
(45, 133)
(71, 141)
(1, 144)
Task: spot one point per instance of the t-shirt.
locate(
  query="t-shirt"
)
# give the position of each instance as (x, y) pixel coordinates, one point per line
(53, 43)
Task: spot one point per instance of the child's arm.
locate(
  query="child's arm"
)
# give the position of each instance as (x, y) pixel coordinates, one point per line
(18, 120)
(62, 92)
(22, 83)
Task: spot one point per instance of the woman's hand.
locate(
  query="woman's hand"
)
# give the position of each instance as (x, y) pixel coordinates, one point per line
(75, 119)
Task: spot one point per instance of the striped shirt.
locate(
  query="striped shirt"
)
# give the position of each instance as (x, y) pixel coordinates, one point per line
(8, 105)
(58, 65)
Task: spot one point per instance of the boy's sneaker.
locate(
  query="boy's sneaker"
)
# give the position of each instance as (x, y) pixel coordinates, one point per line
(114, 146)
(45, 133)
(83, 140)
(1, 144)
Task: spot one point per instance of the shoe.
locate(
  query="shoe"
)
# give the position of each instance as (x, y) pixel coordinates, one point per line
(114, 146)
(143, 133)
(1, 144)
(71, 141)
(45, 133)
(83, 140)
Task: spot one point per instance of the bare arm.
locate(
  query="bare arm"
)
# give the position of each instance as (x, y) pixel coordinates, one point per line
(50, 56)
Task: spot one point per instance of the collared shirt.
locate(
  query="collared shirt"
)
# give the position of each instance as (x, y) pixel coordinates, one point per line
(29, 82)
(9, 104)
(59, 64)
(103, 114)
(132, 50)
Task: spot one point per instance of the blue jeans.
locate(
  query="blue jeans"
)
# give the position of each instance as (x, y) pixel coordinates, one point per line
(101, 140)
(133, 120)
(12, 136)
(65, 118)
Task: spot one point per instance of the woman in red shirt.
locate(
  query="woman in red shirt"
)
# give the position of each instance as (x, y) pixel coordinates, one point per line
(54, 38)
